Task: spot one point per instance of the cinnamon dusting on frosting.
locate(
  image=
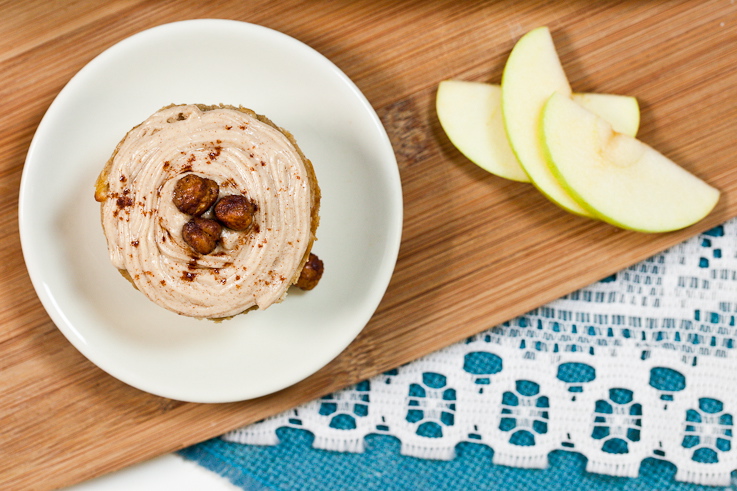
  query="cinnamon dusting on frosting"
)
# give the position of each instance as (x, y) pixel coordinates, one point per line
(147, 242)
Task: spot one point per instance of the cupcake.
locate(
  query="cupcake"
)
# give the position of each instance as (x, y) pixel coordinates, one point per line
(211, 211)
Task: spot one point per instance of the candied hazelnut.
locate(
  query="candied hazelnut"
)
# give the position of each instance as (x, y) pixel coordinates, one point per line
(202, 234)
(311, 273)
(194, 195)
(235, 212)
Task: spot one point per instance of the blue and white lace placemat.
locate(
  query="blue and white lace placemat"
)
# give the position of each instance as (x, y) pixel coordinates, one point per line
(641, 364)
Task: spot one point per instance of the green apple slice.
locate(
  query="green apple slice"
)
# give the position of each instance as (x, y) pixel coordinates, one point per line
(470, 114)
(617, 177)
(532, 74)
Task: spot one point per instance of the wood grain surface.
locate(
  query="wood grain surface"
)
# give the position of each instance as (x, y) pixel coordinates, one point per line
(476, 250)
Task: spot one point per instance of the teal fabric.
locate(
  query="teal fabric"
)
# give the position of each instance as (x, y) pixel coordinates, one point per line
(295, 465)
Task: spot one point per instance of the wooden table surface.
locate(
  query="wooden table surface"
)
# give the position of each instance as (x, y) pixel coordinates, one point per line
(476, 250)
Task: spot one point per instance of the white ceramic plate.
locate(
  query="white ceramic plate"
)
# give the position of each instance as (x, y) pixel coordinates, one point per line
(115, 326)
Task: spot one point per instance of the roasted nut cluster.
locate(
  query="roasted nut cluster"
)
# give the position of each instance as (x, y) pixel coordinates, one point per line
(235, 212)
(194, 195)
(202, 234)
(311, 273)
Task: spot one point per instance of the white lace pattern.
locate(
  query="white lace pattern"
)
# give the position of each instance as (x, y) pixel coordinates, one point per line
(639, 365)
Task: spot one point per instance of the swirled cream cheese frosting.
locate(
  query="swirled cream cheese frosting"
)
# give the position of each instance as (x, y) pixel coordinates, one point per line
(246, 155)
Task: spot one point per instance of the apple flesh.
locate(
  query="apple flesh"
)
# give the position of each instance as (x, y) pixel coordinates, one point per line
(532, 74)
(470, 114)
(621, 111)
(616, 177)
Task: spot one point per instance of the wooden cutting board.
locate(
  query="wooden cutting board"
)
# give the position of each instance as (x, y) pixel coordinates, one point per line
(476, 250)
